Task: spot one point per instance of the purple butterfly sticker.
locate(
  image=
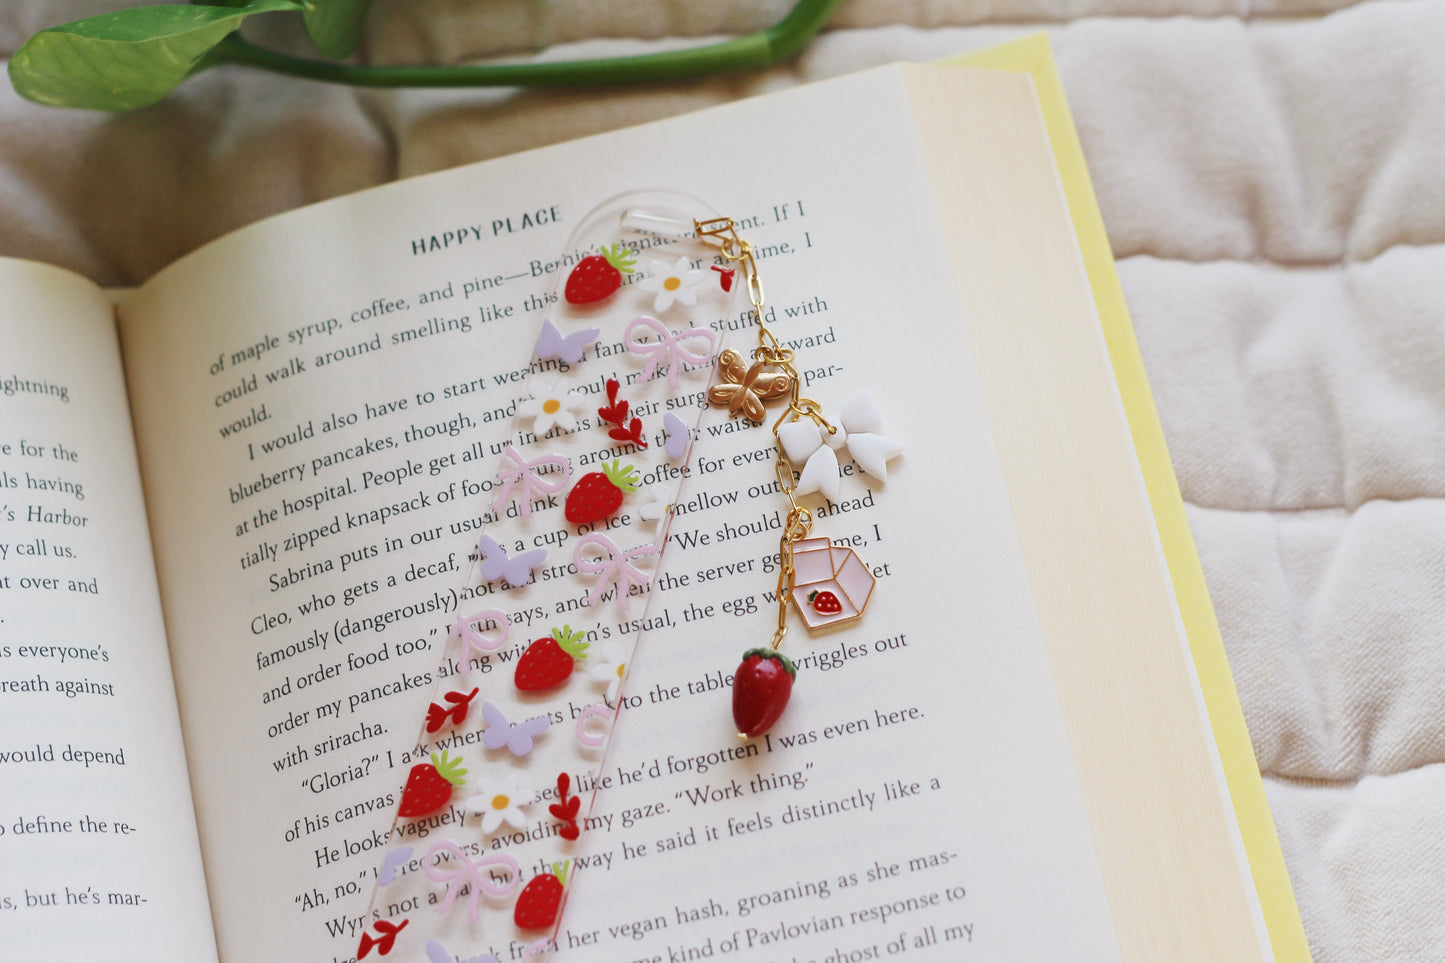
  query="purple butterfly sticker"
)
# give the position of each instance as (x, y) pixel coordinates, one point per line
(516, 738)
(677, 435)
(438, 954)
(517, 569)
(551, 344)
(391, 863)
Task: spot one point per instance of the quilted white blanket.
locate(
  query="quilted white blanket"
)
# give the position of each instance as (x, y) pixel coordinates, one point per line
(1270, 174)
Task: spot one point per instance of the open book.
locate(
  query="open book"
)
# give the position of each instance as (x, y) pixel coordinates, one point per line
(219, 624)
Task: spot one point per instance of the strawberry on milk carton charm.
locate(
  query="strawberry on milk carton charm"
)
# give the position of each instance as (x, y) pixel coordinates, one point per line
(830, 583)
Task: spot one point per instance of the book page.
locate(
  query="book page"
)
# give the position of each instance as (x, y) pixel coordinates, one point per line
(321, 402)
(98, 850)
(1128, 681)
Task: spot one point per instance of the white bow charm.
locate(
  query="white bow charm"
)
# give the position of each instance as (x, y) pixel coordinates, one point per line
(808, 445)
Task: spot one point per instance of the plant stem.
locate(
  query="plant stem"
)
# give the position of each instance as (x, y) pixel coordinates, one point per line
(759, 49)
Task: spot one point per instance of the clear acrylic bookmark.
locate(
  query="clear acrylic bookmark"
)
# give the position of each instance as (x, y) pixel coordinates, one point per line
(502, 777)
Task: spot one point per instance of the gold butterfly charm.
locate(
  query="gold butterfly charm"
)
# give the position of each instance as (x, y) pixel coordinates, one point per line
(745, 387)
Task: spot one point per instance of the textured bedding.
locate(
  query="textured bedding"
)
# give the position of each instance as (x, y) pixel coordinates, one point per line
(1270, 175)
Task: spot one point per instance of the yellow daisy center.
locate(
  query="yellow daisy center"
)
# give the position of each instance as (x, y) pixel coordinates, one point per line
(500, 801)
(672, 284)
(621, 668)
(551, 406)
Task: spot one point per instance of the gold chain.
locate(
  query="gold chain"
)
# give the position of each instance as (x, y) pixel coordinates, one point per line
(722, 232)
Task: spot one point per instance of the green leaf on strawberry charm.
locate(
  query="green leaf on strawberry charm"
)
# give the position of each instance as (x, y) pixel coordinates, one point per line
(762, 685)
(598, 276)
(541, 899)
(598, 494)
(429, 785)
(548, 662)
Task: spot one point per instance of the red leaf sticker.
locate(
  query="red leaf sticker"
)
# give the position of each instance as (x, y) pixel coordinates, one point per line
(632, 432)
(566, 808)
(438, 715)
(382, 944)
(615, 413)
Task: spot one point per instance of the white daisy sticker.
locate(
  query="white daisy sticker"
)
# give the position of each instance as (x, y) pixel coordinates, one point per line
(501, 802)
(658, 504)
(551, 407)
(672, 282)
(610, 672)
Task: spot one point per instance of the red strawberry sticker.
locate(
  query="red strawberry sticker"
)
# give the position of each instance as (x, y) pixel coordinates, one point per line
(541, 899)
(598, 494)
(598, 276)
(825, 602)
(761, 687)
(548, 662)
(438, 715)
(429, 785)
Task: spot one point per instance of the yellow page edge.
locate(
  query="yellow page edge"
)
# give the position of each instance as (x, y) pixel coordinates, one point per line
(1033, 55)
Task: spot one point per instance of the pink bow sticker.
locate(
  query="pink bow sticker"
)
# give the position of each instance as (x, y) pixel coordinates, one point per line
(474, 641)
(668, 350)
(585, 735)
(528, 475)
(470, 875)
(613, 567)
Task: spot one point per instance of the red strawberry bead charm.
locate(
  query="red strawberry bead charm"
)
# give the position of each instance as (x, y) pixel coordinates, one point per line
(429, 785)
(541, 899)
(598, 276)
(598, 494)
(548, 662)
(761, 687)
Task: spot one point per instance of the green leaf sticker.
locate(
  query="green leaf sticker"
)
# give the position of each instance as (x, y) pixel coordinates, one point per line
(125, 59)
(335, 25)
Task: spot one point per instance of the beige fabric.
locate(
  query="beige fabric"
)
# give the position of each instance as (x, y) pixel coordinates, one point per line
(1270, 174)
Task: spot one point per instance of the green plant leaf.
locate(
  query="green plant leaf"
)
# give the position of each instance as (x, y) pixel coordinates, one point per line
(126, 59)
(335, 25)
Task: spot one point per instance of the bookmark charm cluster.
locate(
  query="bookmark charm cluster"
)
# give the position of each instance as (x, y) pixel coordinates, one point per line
(828, 585)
